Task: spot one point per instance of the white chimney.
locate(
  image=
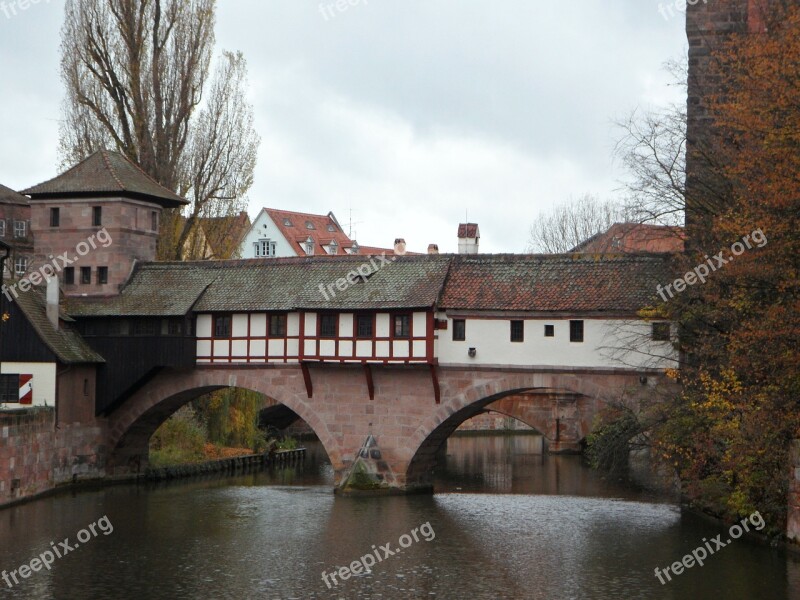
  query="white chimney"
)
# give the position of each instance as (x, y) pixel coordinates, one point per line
(399, 246)
(52, 300)
(469, 236)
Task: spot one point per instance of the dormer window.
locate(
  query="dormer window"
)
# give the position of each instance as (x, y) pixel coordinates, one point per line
(333, 247)
(331, 227)
(310, 225)
(287, 223)
(309, 246)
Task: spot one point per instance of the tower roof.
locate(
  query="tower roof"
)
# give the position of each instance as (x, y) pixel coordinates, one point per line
(106, 173)
(9, 196)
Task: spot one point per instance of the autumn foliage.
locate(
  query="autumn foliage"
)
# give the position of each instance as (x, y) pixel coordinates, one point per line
(728, 436)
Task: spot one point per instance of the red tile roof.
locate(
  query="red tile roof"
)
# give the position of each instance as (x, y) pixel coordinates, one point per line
(325, 228)
(635, 237)
(617, 283)
(106, 173)
(468, 230)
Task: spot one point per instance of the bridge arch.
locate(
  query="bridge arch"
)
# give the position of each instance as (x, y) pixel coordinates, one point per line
(131, 426)
(567, 404)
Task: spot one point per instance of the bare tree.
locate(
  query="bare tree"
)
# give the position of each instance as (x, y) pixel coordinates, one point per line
(572, 223)
(136, 73)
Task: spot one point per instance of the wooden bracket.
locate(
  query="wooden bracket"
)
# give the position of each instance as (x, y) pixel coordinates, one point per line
(370, 383)
(307, 379)
(437, 392)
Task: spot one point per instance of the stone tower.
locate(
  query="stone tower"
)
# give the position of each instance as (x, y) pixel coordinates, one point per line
(101, 215)
(708, 24)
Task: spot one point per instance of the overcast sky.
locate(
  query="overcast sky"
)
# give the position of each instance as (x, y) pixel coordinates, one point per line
(412, 114)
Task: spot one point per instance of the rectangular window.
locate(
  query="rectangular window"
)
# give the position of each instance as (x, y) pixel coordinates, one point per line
(69, 276)
(20, 229)
(146, 327)
(549, 331)
(327, 325)
(576, 331)
(97, 216)
(175, 327)
(154, 221)
(517, 331)
(402, 326)
(364, 326)
(661, 332)
(222, 326)
(266, 248)
(277, 326)
(85, 387)
(2, 228)
(86, 275)
(20, 265)
(9, 389)
(459, 330)
(55, 217)
(102, 275)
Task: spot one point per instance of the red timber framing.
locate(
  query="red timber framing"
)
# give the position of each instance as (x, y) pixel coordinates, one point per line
(246, 338)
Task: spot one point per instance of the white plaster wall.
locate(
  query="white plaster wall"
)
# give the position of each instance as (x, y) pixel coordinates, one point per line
(604, 341)
(44, 382)
(271, 232)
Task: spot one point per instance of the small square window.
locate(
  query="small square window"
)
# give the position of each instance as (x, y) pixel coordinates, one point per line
(55, 217)
(402, 326)
(86, 275)
(20, 229)
(517, 331)
(102, 275)
(277, 325)
(9, 389)
(222, 326)
(661, 332)
(364, 326)
(576, 331)
(459, 330)
(20, 265)
(327, 325)
(69, 276)
(549, 331)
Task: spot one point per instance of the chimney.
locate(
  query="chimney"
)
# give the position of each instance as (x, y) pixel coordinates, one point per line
(399, 246)
(433, 248)
(52, 301)
(469, 236)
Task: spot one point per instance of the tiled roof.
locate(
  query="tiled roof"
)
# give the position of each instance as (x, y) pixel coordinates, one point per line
(635, 237)
(555, 282)
(294, 227)
(168, 289)
(468, 230)
(9, 196)
(106, 173)
(64, 342)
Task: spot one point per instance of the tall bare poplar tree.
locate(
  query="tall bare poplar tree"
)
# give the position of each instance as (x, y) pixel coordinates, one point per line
(137, 74)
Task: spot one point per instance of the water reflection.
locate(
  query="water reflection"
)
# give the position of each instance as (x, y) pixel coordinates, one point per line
(509, 523)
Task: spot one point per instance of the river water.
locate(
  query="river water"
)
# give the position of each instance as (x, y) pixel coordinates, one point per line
(505, 522)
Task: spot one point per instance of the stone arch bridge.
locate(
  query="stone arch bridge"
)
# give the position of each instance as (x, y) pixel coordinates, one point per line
(403, 421)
